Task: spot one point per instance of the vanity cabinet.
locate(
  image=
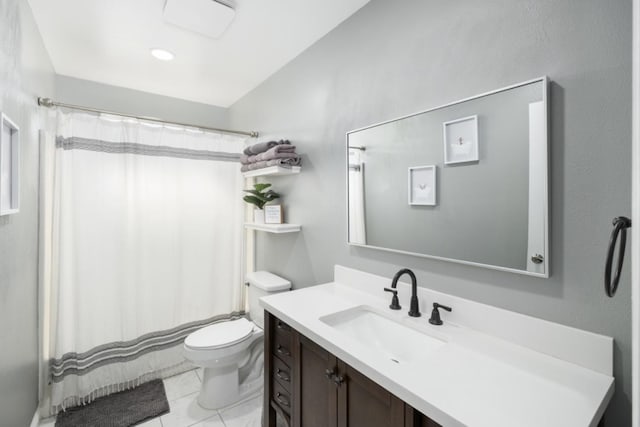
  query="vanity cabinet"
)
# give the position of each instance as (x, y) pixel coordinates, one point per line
(315, 390)
(362, 402)
(307, 386)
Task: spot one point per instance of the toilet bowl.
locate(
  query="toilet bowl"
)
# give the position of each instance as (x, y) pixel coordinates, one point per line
(222, 350)
(231, 352)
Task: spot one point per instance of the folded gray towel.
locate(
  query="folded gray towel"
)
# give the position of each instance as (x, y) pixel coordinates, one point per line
(293, 161)
(261, 147)
(277, 152)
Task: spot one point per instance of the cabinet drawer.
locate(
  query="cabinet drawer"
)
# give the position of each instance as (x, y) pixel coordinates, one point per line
(282, 327)
(281, 397)
(282, 347)
(282, 373)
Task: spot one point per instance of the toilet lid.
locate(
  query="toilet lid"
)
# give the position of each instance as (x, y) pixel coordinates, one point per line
(221, 334)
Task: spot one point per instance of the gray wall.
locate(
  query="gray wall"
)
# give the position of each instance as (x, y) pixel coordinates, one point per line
(492, 192)
(87, 93)
(25, 72)
(393, 58)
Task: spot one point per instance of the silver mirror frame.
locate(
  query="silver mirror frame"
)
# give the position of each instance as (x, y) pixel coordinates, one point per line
(546, 256)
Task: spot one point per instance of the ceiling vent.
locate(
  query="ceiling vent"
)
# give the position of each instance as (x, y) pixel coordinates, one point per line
(210, 18)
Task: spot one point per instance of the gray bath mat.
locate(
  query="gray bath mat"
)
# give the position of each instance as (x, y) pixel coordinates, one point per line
(123, 409)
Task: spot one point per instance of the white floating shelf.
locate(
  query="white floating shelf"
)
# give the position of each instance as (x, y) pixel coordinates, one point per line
(274, 228)
(273, 171)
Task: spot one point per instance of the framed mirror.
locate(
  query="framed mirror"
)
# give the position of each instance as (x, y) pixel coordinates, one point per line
(466, 182)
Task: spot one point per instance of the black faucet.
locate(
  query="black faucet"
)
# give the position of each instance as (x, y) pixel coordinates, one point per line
(395, 304)
(413, 309)
(435, 314)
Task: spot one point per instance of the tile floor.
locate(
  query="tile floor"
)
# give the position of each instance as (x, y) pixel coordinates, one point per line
(182, 391)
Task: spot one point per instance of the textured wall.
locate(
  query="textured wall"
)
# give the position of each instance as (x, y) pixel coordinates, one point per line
(393, 58)
(86, 93)
(25, 73)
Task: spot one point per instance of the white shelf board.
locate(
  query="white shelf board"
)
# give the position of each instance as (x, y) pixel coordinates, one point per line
(274, 228)
(273, 171)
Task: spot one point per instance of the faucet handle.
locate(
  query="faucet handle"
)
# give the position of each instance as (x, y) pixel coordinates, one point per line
(395, 304)
(444, 307)
(435, 314)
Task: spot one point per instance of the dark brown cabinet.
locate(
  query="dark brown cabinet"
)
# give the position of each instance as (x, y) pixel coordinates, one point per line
(362, 402)
(306, 386)
(314, 386)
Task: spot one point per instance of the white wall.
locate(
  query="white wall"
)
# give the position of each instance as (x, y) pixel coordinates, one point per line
(86, 93)
(25, 73)
(396, 57)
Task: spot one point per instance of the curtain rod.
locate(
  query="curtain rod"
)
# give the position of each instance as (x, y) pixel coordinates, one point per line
(47, 102)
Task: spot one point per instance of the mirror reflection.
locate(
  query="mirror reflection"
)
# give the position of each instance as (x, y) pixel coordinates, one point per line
(466, 182)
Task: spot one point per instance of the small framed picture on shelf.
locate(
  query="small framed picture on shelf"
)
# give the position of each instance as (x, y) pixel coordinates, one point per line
(461, 140)
(273, 214)
(422, 185)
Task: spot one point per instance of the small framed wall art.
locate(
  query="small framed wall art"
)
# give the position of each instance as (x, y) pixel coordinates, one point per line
(422, 185)
(9, 167)
(273, 214)
(461, 140)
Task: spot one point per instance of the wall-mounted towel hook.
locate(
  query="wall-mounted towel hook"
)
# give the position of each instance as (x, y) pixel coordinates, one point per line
(620, 225)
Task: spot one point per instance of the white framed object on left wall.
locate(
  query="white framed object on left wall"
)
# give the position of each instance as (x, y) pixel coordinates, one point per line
(9, 167)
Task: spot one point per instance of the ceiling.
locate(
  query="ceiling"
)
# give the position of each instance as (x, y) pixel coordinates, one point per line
(109, 42)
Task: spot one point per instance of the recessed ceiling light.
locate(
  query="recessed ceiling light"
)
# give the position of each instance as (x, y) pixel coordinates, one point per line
(161, 54)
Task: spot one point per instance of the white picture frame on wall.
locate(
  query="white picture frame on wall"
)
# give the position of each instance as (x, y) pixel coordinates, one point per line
(9, 166)
(461, 140)
(422, 185)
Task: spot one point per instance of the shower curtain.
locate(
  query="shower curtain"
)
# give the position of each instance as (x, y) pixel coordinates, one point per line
(140, 244)
(357, 229)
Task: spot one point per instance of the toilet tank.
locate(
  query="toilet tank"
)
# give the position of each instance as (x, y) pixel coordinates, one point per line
(263, 283)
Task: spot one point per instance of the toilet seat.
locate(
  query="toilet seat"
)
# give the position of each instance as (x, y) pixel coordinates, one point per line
(220, 335)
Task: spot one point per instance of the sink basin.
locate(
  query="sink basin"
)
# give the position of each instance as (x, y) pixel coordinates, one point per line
(392, 339)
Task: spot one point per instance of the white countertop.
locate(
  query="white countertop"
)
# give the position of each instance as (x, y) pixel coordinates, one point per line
(476, 379)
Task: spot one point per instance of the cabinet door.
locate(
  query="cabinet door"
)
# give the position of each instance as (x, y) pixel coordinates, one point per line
(362, 402)
(315, 393)
(416, 419)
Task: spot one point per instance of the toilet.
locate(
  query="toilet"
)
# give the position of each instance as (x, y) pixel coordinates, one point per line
(231, 353)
